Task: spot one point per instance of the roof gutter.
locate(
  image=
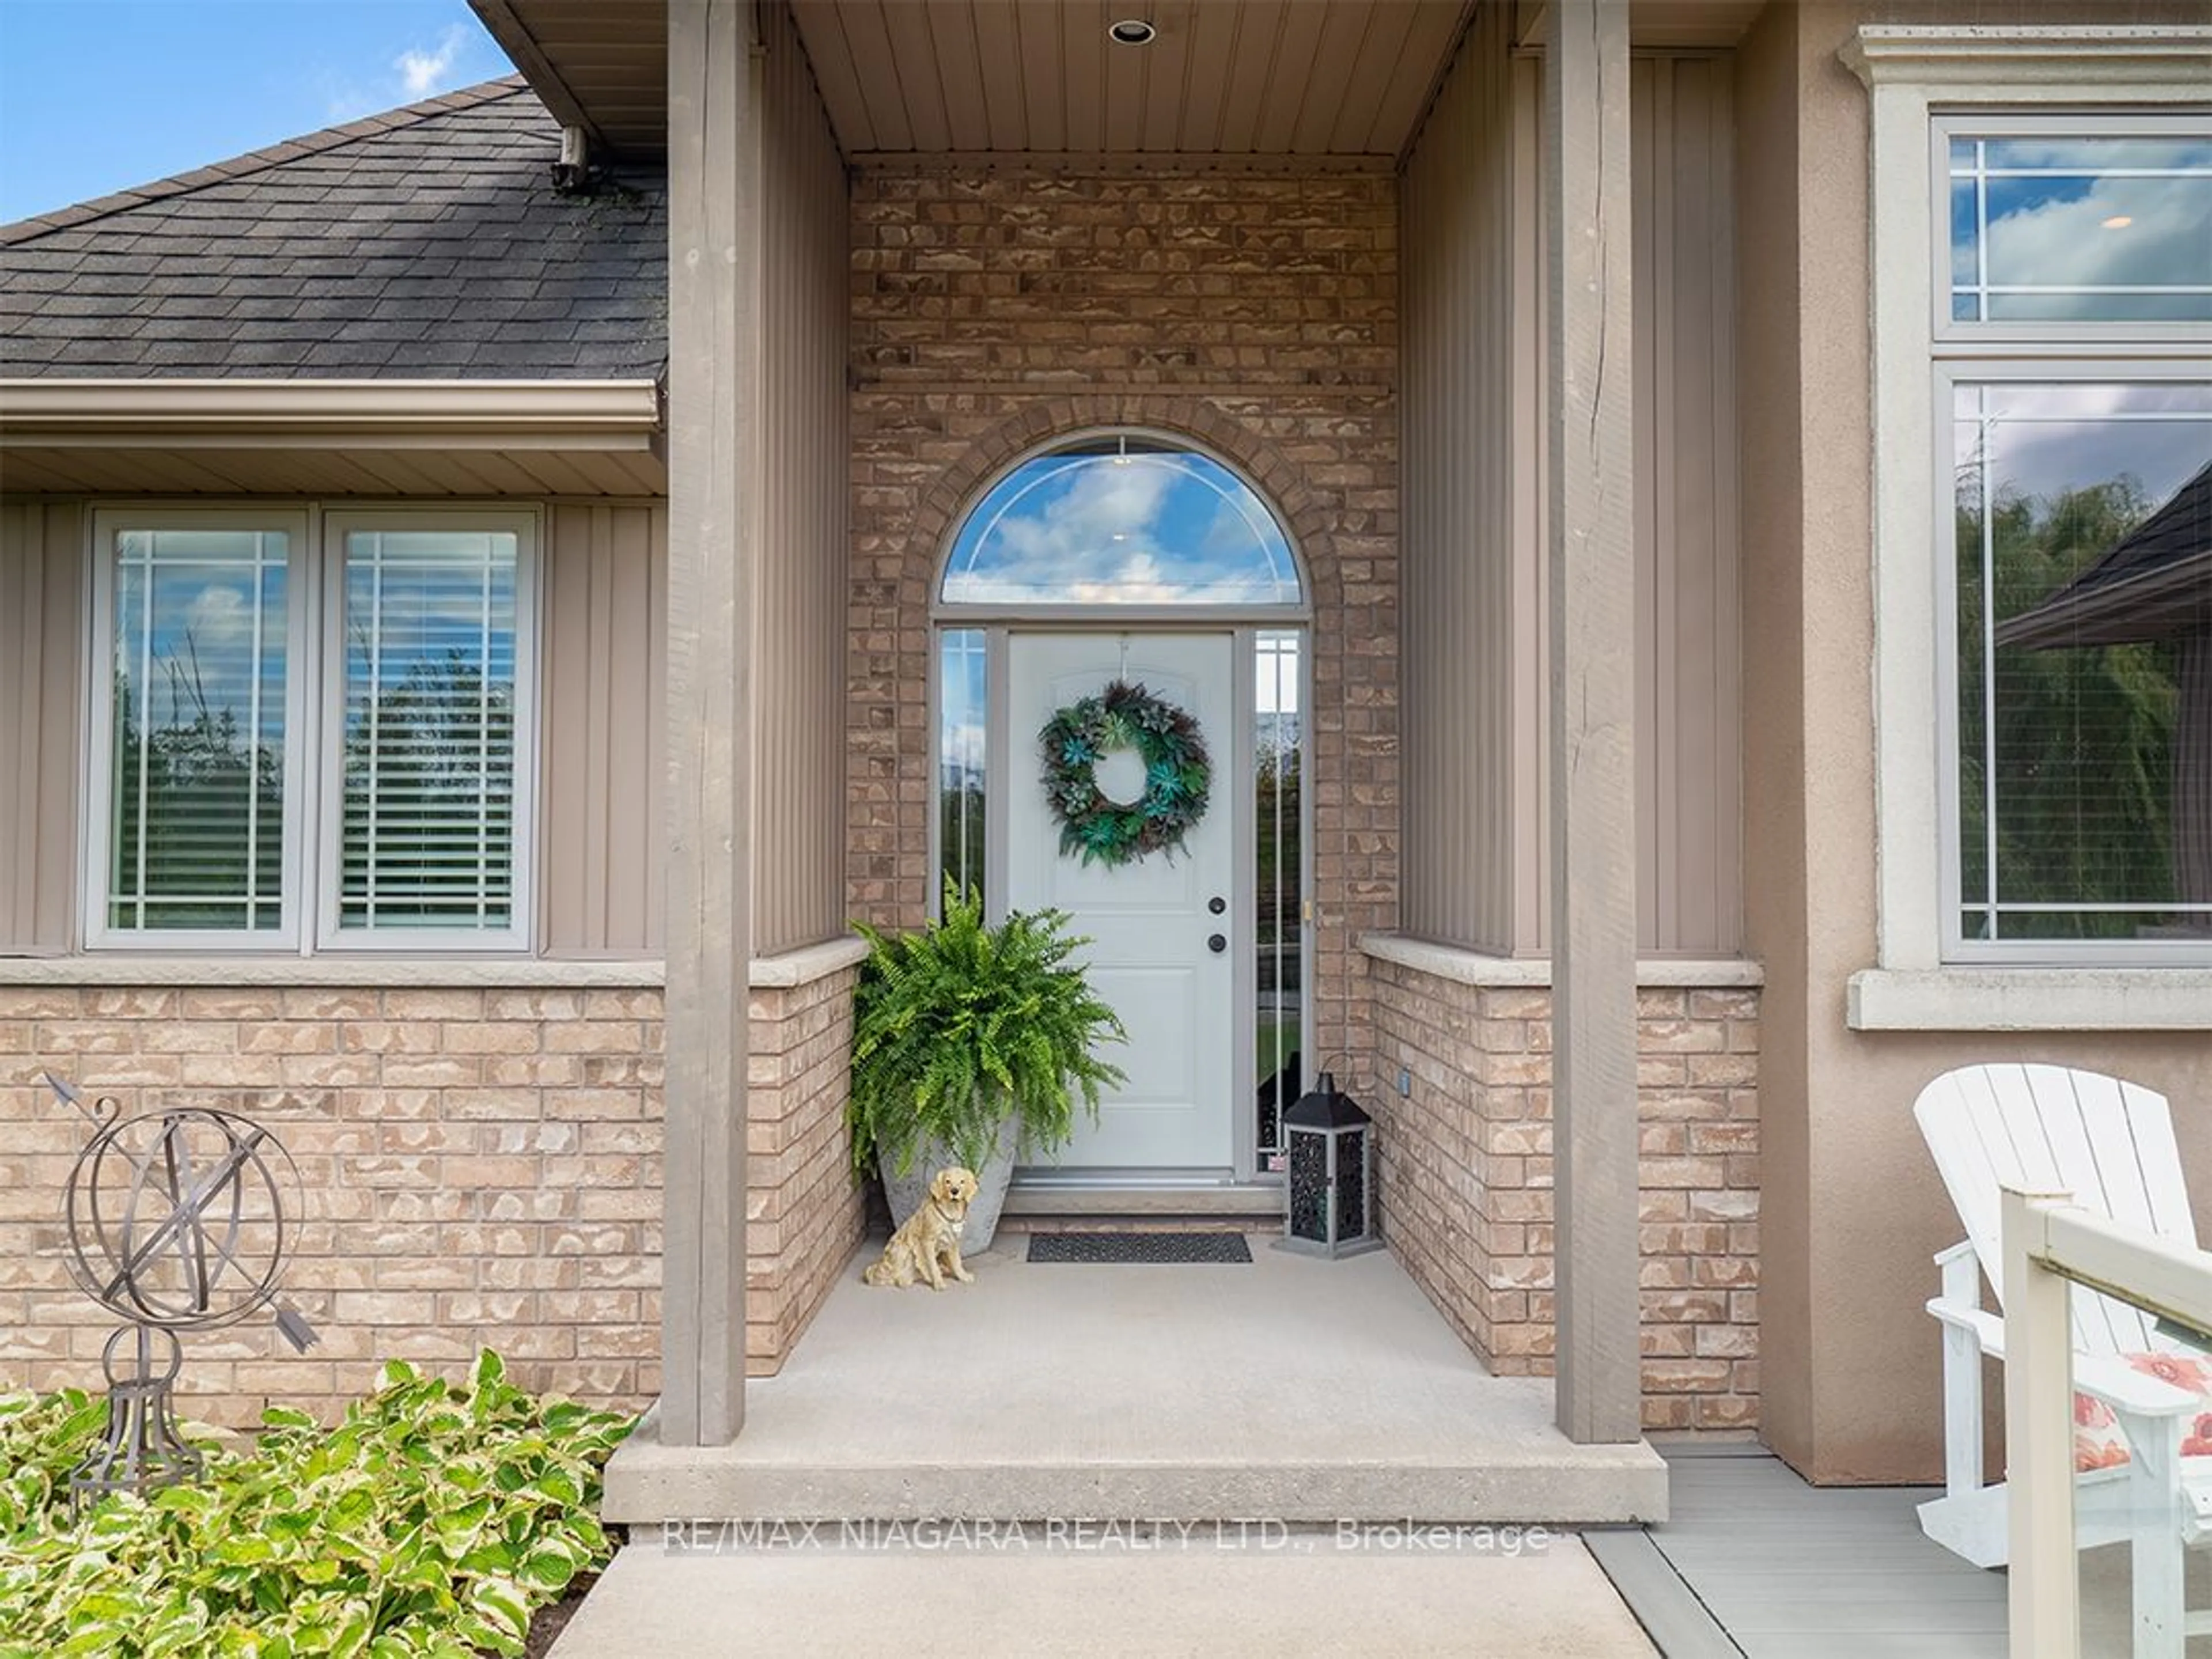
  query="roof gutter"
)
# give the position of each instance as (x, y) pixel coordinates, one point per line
(612, 415)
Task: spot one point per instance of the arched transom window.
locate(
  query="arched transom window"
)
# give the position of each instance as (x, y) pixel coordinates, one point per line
(1121, 519)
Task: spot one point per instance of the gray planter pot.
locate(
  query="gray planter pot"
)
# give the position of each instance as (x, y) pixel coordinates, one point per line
(905, 1192)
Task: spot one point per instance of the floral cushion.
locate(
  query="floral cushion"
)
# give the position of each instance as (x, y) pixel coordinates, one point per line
(2098, 1442)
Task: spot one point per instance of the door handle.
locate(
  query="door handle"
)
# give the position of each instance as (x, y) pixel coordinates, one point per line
(1217, 943)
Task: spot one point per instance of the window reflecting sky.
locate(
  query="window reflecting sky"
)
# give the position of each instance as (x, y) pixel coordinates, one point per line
(2045, 439)
(198, 615)
(1143, 528)
(2082, 229)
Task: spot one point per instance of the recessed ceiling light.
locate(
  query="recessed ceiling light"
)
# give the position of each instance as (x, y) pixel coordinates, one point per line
(1131, 31)
(2119, 222)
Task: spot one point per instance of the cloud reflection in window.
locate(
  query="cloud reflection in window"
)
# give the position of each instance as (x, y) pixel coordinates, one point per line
(2090, 228)
(1121, 525)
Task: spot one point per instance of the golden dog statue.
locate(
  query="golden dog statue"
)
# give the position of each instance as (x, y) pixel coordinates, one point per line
(928, 1247)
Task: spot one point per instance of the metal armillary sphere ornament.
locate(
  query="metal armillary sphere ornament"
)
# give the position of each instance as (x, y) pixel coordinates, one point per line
(176, 1224)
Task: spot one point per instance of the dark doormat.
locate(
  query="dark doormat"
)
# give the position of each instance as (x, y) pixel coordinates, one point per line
(1139, 1247)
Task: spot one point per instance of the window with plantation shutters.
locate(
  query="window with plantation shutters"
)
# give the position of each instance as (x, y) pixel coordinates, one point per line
(297, 750)
(427, 829)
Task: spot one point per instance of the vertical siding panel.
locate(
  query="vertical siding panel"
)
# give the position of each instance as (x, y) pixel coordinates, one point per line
(569, 678)
(632, 769)
(651, 774)
(1652, 197)
(1727, 659)
(1677, 364)
(1690, 638)
(1531, 863)
(42, 629)
(601, 583)
(1689, 642)
(1471, 559)
(799, 670)
(604, 668)
(20, 576)
(1475, 625)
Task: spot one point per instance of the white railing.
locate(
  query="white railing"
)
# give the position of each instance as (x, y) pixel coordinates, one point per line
(2049, 1245)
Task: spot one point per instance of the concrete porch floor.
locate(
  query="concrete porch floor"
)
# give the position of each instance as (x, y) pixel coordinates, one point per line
(1291, 1390)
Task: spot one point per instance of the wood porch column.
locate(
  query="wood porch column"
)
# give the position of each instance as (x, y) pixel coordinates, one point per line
(1592, 656)
(713, 213)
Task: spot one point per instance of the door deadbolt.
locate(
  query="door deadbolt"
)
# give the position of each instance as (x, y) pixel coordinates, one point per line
(1217, 905)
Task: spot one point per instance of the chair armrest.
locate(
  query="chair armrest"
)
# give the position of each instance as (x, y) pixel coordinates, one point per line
(2125, 1389)
(2102, 1376)
(1988, 1329)
(1958, 1252)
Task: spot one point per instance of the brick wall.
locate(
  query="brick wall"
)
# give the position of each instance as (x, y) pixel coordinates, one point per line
(1467, 1179)
(803, 1211)
(1255, 312)
(478, 1165)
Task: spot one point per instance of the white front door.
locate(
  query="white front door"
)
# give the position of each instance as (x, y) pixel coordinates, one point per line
(1154, 920)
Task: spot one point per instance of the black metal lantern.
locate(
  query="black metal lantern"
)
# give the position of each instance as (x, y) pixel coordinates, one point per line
(1330, 1194)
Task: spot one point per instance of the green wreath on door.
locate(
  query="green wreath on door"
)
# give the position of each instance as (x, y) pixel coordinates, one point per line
(1178, 775)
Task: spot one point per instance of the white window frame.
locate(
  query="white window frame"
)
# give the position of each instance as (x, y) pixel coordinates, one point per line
(2019, 369)
(314, 727)
(330, 935)
(98, 843)
(1984, 75)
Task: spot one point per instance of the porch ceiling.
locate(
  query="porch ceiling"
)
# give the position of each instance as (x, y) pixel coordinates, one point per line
(1234, 77)
(1308, 78)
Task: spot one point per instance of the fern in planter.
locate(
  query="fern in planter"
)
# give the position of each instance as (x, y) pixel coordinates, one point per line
(958, 1025)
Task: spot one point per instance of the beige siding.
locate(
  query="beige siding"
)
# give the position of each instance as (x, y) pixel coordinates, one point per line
(799, 677)
(42, 596)
(1475, 869)
(1688, 800)
(606, 609)
(1469, 570)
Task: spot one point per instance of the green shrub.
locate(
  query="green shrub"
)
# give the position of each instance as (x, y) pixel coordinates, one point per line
(431, 1521)
(958, 1025)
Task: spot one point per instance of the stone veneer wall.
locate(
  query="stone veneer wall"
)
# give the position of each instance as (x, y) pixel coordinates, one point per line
(478, 1165)
(1467, 1178)
(1255, 312)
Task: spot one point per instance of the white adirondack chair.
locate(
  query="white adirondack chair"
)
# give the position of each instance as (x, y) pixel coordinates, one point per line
(2111, 1144)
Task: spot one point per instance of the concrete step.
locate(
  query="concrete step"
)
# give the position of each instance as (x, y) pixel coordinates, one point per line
(1287, 1389)
(1065, 1203)
(1302, 1596)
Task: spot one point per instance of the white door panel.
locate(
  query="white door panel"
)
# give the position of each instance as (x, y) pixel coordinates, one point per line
(1149, 919)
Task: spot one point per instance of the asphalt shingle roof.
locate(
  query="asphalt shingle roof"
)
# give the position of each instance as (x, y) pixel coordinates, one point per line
(425, 243)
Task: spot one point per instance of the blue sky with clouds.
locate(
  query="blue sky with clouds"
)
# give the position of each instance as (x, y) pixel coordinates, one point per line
(99, 94)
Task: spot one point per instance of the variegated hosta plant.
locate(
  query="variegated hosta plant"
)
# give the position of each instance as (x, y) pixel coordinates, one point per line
(431, 1521)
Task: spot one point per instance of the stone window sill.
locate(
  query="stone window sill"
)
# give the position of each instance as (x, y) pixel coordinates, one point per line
(2031, 999)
